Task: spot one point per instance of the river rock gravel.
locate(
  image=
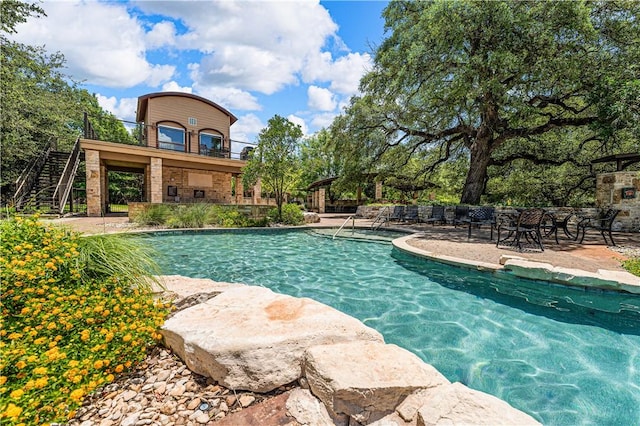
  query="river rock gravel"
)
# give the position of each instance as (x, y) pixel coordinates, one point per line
(163, 391)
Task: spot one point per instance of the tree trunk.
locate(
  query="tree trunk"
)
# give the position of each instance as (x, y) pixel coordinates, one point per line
(477, 175)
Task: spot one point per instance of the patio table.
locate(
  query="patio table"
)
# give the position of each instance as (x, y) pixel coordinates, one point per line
(558, 221)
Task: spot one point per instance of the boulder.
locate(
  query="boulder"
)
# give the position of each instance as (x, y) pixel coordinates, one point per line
(307, 409)
(252, 338)
(457, 404)
(366, 380)
(311, 217)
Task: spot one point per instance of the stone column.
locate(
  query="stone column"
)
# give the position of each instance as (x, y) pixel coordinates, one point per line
(239, 189)
(378, 190)
(94, 183)
(321, 196)
(156, 180)
(257, 193)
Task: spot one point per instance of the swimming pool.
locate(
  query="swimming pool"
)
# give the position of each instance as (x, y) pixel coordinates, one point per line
(563, 355)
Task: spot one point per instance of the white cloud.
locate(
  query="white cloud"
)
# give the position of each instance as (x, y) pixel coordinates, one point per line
(318, 121)
(246, 128)
(229, 98)
(300, 122)
(344, 73)
(251, 45)
(172, 86)
(123, 109)
(320, 99)
(101, 42)
(162, 34)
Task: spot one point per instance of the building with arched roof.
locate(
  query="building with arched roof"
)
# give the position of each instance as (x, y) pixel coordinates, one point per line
(184, 155)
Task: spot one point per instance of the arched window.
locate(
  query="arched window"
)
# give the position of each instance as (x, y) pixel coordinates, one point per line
(211, 145)
(172, 138)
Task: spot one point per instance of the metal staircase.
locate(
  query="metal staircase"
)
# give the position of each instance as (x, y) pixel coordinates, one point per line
(46, 183)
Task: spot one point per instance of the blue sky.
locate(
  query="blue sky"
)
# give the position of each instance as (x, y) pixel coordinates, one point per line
(301, 59)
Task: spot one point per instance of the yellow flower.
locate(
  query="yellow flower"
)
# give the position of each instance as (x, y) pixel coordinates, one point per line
(41, 382)
(12, 411)
(20, 365)
(110, 378)
(77, 395)
(3, 380)
(73, 363)
(16, 394)
(98, 365)
(119, 368)
(126, 338)
(40, 370)
(39, 341)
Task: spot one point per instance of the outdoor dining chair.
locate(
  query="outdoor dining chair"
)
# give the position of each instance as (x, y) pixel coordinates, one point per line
(603, 223)
(437, 215)
(526, 227)
(481, 216)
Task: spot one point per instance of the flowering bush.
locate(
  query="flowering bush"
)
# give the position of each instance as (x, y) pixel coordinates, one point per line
(67, 325)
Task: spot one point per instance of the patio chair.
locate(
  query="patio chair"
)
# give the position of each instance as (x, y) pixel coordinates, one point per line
(460, 214)
(526, 225)
(397, 214)
(602, 223)
(437, 215)
(481, 216)
(410, 214)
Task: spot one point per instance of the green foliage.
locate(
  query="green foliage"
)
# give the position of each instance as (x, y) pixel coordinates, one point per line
(124, 257)
(228, 217)
(71, 320)
(488, 79)
(40, 104)
(156, 214)
(632, 265)
(189, 216)
(291, 215)
(275, 160)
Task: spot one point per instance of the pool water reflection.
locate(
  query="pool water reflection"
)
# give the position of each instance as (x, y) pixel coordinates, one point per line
(562, 355)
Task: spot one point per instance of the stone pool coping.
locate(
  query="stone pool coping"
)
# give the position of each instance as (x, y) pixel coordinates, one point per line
(523, 268)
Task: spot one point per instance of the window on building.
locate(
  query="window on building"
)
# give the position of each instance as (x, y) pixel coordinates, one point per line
(210, 144)
(171, 138)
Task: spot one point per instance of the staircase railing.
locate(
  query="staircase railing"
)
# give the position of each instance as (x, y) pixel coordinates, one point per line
(28, 178)
(63, 189)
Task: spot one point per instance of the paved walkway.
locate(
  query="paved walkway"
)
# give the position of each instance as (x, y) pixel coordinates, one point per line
(591, 255)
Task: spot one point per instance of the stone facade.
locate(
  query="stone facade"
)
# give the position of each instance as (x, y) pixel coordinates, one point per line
(620, 190)
(213, 186)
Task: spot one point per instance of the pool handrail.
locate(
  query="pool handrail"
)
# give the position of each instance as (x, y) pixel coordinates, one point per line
(353, 226)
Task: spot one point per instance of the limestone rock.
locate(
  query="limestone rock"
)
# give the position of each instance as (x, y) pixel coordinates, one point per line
(252, 338)
(182, 287)
(457, 404)
(307, 409)
(366, 380)
(311, 217)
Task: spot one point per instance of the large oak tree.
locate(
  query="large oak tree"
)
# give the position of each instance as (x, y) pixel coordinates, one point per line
(465, 78)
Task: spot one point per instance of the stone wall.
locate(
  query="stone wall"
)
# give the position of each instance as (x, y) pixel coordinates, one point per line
(620, 190)
(214, 186)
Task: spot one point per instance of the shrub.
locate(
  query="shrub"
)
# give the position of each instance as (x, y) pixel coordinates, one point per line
(632, 265)
(228, 217)
(153, 215)
(291, 214)
(190, 216)
(71, 319)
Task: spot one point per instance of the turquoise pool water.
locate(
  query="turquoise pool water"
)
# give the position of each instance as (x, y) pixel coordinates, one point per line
(565, 356)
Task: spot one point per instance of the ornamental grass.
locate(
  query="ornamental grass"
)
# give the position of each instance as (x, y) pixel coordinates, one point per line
(75, 313)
